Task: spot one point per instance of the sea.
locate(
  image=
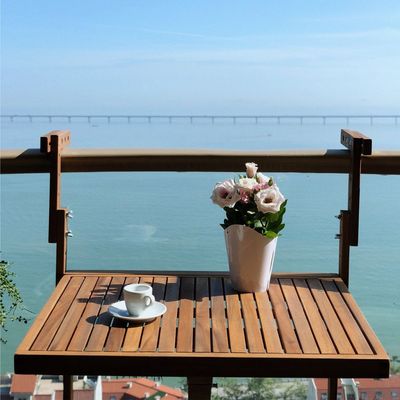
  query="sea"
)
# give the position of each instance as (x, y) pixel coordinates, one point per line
(165, 220)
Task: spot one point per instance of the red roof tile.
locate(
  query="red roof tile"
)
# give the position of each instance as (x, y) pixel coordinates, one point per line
(140, 386)
(390, 383)
(78, 394)
(365, 383)
(41, 397)
(23, 383)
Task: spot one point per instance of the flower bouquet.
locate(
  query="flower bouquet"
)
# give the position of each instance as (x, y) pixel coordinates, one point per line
(254, 209)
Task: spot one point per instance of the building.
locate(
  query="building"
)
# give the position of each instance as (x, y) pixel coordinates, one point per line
(23, 386)
(358, 389)
(33, 387)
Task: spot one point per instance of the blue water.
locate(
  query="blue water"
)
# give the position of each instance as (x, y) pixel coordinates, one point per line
(167, 221)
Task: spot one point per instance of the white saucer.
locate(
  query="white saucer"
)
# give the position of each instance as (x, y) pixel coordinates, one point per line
(119, 310)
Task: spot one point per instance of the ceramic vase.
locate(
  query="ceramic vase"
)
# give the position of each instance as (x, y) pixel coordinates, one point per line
(250, 258)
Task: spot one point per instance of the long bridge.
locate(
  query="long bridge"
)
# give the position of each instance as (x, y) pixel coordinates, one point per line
(281, 118)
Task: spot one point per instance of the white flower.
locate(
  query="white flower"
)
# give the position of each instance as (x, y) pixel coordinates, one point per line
(246, 184)
(269, 200)
(251, 169)
(261, 178)
(225, 194)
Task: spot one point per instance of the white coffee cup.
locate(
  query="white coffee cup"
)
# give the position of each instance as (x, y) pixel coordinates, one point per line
(138, 296)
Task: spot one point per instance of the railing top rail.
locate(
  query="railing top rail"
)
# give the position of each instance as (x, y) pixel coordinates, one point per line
(197, 160)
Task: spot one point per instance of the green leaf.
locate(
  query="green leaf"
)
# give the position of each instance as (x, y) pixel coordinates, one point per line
(279, 228)
(270, 234)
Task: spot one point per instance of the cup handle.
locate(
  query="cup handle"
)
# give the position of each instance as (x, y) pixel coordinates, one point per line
(149, 300)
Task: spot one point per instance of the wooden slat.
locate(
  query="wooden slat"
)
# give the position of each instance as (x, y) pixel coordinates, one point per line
(185, 325)
(268, 324)
(50, 327)
(134, 330)
(251, 326)
(235, 323)
(202, 327)
(151, 329)
(366, 328)
(118, 326)
(332, 322)
(86, 323)
(71, 318)
(168, 327)
(303, 330)
(285, 328)
(350, 325)
(37, 325)
(218, 318)
(102, 325)
(318, 326)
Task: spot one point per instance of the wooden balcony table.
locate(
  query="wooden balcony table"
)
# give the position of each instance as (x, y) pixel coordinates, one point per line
(305, 325)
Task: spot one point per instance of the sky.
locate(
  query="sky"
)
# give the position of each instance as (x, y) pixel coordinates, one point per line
(216, 57)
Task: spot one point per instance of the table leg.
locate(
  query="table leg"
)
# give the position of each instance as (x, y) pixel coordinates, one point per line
(332, 388)
(199, 387)
(67, 387)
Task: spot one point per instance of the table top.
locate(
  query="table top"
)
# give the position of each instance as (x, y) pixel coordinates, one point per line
(305, 325)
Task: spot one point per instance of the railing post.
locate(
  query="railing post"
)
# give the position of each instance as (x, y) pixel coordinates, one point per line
(52, 144)
(359, 145)
(68, 390)
(344, 246)
(199, 388)
(332, 388)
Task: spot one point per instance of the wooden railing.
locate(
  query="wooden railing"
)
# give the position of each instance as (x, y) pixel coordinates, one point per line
(99, 160)
(53, 157)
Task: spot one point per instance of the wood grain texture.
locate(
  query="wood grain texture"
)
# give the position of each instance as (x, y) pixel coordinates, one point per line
(235, 322)
(185, 325)
(252, 329)
(169, 320)
(202, 326)
(350, 325)
(40, 320)
(268, 323)
(151, 331)
(104, 319)
(218, 319)
(299, 318)
(50, 327)
(332, 322)
(285, 327)
(86, 322)
(308, 322)
(73, 316)
(317, 324)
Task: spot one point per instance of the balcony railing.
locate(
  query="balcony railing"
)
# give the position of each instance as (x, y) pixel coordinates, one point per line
(99, 160)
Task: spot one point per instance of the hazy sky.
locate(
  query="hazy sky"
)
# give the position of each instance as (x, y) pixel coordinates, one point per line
(204, 56)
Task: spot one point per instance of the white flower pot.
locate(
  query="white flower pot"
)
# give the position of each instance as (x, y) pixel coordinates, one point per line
(250, 257)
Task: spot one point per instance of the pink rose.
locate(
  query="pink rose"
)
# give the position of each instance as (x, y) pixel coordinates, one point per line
(269, 200)
(225, 194)
(251, 169)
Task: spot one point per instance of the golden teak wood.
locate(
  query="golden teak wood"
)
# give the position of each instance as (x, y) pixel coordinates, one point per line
(313, 329)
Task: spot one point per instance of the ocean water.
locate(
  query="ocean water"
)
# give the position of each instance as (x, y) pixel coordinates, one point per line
(167, 221)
